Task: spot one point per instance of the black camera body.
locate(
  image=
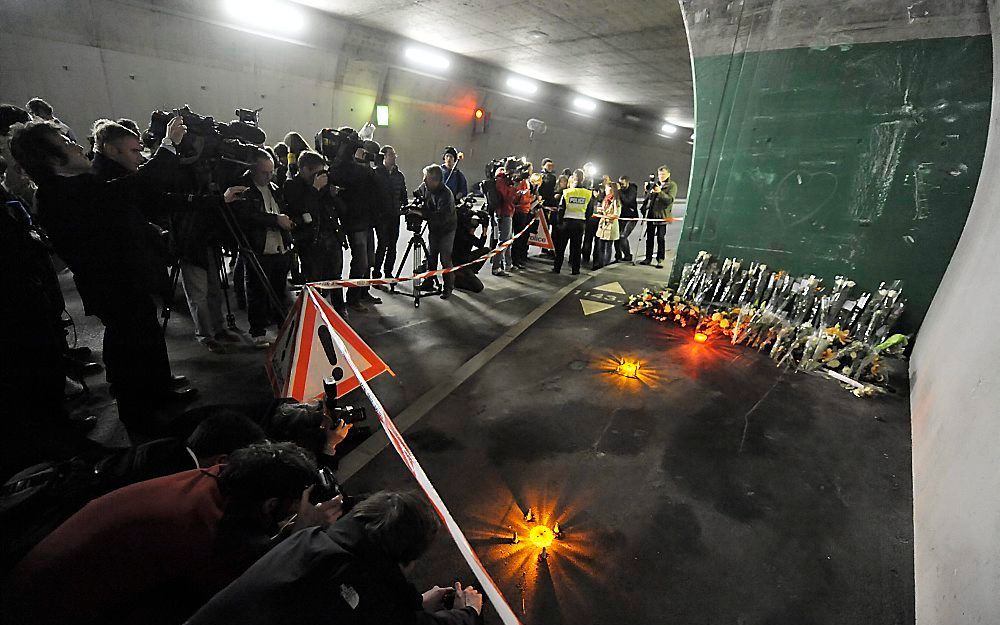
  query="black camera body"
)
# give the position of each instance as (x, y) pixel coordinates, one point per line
(206, 139)
(651, 183)
(413, 213)
(469, 216)
(336, 145)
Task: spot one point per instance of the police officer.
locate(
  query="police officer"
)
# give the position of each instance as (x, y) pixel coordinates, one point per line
(571, 222)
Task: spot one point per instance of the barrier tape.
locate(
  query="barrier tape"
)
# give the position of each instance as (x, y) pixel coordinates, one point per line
(665, 220)
(366, 282)
(490, 588)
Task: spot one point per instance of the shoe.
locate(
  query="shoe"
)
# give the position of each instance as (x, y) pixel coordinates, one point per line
(261, 342)
(658, 266)
(646, 262)
(176, 381)
(212, 345)
(575, 272)
(368, 298)
(185, 393)
(500, 273)
(554, 270)
(445, 295)
(627, 259)
(427, 285)
(227, 336)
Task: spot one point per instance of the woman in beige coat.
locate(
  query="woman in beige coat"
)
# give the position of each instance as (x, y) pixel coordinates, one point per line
(608, 229)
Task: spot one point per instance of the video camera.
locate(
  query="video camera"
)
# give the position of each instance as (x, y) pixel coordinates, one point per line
(469, 215)
(652, 182)
(336, 145)
(413, 213)
(208, 140)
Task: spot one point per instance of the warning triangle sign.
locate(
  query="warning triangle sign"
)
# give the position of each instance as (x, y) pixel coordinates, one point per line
(541, 237)
(591, 307)
(611, 287)
(298, 361)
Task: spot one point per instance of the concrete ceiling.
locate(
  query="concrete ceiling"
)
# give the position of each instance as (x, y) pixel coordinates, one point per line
(630, 52)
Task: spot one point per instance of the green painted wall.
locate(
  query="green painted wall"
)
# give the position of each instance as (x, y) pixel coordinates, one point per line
(857, 160)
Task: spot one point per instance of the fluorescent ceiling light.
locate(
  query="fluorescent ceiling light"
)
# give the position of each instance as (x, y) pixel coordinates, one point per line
(427, 57)
(584, 104)
(267, 15)
(522, 85)
(382, 114)
(668, 129)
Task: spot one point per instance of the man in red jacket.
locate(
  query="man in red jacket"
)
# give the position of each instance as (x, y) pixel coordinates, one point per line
(507, 189)
(156, 551)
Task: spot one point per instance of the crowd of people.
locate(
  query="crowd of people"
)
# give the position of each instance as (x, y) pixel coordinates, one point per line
(238, 520)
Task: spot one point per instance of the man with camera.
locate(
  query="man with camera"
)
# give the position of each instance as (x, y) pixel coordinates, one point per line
(314, 206)
(506, 186)
(469, 245)
(353, 573)
(263, 215)
(350, 170)
(96, 227)
(442, 220)
(658, 204)
(387, 228)
(630, 210)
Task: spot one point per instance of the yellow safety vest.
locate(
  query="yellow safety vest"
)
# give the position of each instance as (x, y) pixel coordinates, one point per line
(577, 201)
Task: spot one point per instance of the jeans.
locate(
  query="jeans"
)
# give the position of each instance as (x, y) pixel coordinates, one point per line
(500, 234)
(657, 232)
(362, 246)
(385, 253)
(622, 249)
(260, 310)
(203, 291)
(571, 232)
(519, 250)
(440, 244)
(589, 238)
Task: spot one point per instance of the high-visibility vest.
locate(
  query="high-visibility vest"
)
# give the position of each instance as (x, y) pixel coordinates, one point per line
(577, 201)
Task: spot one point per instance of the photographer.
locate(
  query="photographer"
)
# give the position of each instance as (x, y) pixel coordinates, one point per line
(387, 227)
(630, 210)
(351, 172)
(442, 220)
(314, 206)
(547, 189)
(658, 204)
(570, 222)
(96, 228)
(469, 246)
(524, 205)
(506, 188)
(351, 574)
(263, 216)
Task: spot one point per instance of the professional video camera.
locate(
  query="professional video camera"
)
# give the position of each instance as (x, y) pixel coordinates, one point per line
(340, 144)
(469, 215)
(208, 140)
(413, 213)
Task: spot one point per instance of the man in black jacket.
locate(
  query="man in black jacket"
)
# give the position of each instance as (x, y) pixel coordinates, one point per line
(630, 209)
(96, 228)
(442, 221)
(267, 228)
(349, 574)
(315, 208)
(387, 228)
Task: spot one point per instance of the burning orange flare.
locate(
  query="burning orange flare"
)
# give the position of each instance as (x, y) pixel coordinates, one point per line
(700, 337)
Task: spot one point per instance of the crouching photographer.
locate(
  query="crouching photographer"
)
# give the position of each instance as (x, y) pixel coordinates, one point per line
(469, 244)
(442, 221)
(95, 226)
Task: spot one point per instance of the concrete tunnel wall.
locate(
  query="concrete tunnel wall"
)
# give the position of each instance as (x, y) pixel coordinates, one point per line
(838, 138)
(124, 59)
(955, 405)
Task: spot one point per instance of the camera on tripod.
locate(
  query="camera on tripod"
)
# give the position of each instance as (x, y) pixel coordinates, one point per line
(413, 213)
(208, 140)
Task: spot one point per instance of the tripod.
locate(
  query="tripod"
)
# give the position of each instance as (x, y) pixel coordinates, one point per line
(417, 247)
(171, 293)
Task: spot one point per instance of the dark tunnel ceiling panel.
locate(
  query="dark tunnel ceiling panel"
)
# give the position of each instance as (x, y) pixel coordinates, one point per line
(631, 52)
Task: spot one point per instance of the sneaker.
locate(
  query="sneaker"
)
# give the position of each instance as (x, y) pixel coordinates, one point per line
(261, 342)
(499, 272)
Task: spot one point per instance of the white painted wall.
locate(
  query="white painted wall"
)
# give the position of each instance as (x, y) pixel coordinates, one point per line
(123, 58)
(955, 405)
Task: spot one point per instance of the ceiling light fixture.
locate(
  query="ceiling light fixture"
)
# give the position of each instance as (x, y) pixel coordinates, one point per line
(522, 85)
(581, 103)
(427, 57)
(267, 15)
(668, 129)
